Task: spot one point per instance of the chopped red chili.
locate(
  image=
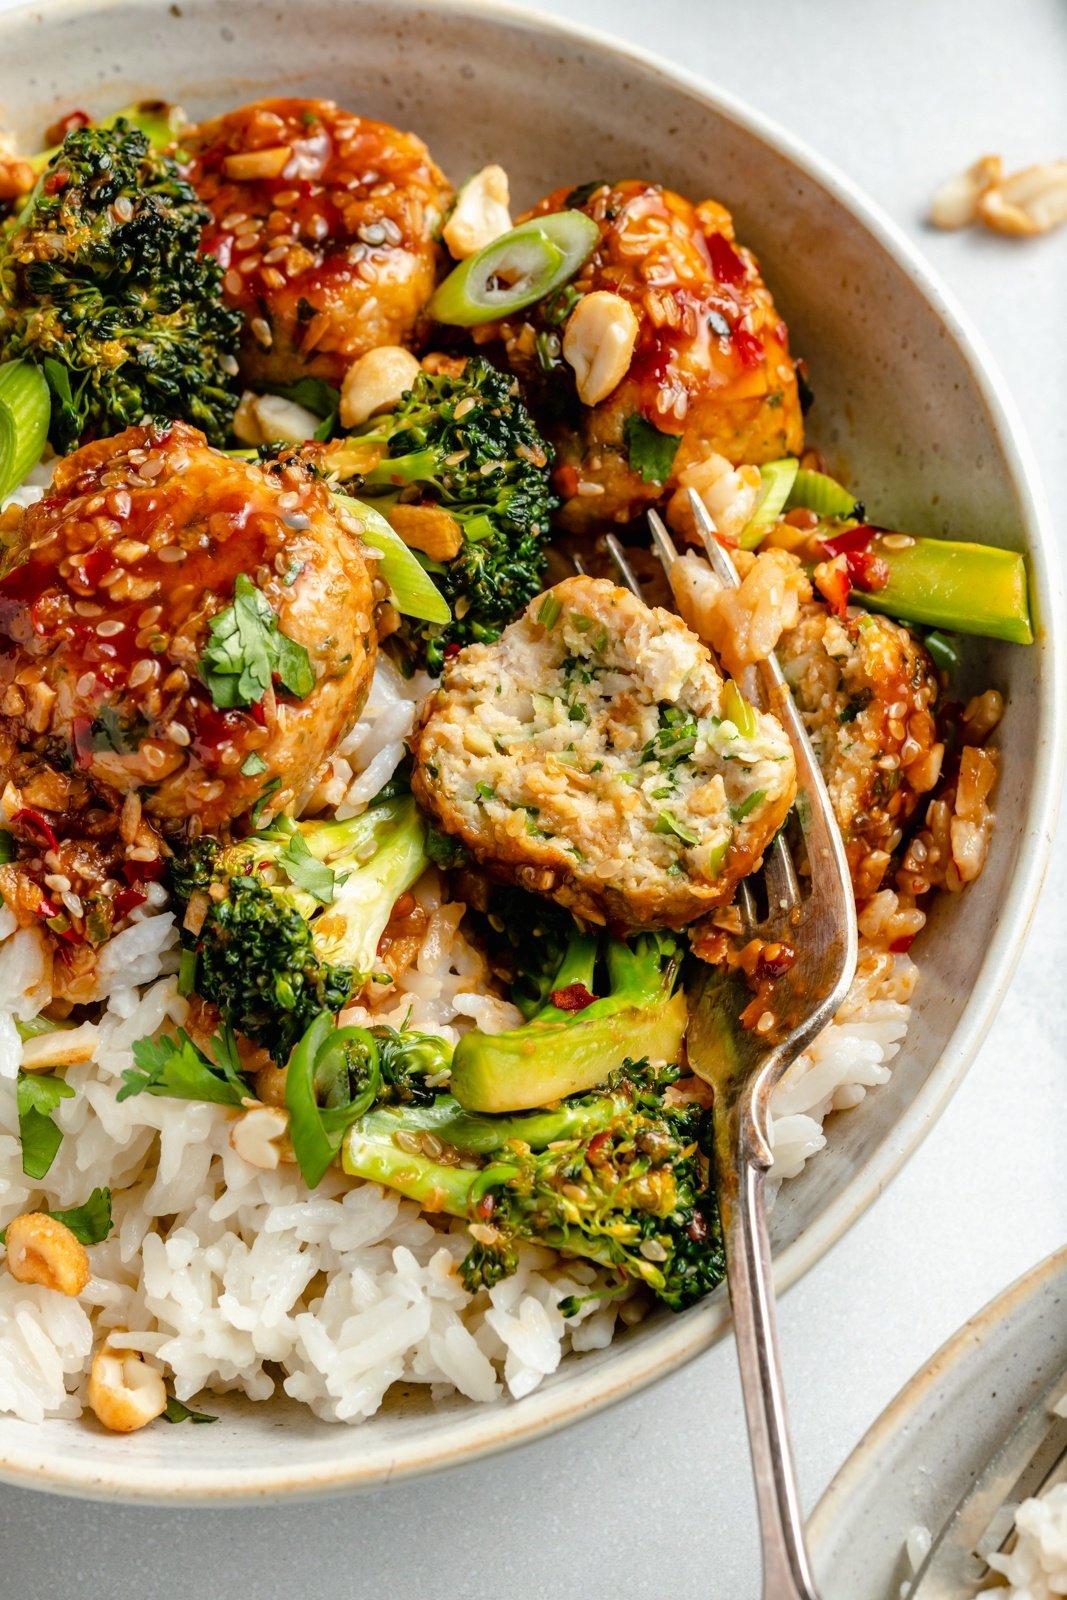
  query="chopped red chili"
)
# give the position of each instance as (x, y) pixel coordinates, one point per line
(901, 946)
(748, 347)
(572, 997)
(81, 729)
(866, 570)
(33, 819)
(725, 261)
(143, 871)
(127, 900)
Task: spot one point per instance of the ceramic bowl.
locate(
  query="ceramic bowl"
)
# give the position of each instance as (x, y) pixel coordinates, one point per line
(907, 404)
(933, 1440)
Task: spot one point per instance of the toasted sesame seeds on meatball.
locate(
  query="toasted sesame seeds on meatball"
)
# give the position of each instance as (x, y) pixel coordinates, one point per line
(711, 366)
(113, 587)
(323, 223)
(592, 754)
(868, 692)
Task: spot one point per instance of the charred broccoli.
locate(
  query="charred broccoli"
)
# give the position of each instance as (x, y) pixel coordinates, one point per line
(285, 924)
(103, 286)
(467, 445)
(619, 1177)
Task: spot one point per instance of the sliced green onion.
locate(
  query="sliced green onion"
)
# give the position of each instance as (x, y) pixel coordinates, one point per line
(527, 264)
(667, 822)
(413, 591)
(737, 710)
(943, 651)
(821, 494)
(25, 412)
(319, 1091)
(778, 479)
(549, 611)
(738, 813)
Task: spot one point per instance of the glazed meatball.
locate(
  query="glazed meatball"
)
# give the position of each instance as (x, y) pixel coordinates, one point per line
(591, 754)
(181, 625)
(323, 223)
(710, 366)
(868, 693)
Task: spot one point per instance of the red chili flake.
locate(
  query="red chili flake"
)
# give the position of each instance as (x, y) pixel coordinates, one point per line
(46, 909)
(565, 481)
(866, 570)
(596, 1147)
(776, 959)
(450, 650)
(98, 563)
(258, 713)
(56, 181)
(900, 947)
(849, 540)
(748, 347)
(143, 871)
(57, 131)
(81, 729)
(486, 1206)
(725, 261)
(34, 819)
(572, 997)
(833, 583)
(127, 900)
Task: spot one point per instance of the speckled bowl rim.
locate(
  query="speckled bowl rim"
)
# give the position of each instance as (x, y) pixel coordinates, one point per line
(484, 1431)
(962, 1352)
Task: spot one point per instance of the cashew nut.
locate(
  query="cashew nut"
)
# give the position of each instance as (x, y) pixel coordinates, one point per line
(480, 215)
(251, 164)
(256, 1134)
(124, 1391)
(598, 342)
(1028, 202)
(42, 1250)
(428, 528)
(264, 418)
(375, 382)
(66, 1047)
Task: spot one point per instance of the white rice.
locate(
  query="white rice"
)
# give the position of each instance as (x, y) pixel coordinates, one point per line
(1036, 1569)
(252, 1283)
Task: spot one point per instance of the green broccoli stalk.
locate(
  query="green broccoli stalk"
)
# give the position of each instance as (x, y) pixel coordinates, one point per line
(467, 444)
(103, 286)
(285, 924)
(619, 1177)
(572, 1041)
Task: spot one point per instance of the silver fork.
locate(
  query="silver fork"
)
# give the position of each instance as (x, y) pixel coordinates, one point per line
(743, 1065)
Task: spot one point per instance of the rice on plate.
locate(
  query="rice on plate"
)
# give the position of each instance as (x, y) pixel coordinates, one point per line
(158, 807)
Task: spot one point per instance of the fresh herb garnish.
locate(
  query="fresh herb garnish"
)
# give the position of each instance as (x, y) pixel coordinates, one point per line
(37, 1096)
(269, 789)
(443, 850)
(253, 764)
(307, 871)
(177, 1411)
(675, 738)
(650, 452)
(247, 650)
(90, 1223)
(123, 735)
(549, 611)
(177, 1069)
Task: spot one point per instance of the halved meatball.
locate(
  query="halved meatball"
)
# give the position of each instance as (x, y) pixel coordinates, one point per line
(868, 692)
(710, 368)
(595, 755)
(323, 223)
(152, 608)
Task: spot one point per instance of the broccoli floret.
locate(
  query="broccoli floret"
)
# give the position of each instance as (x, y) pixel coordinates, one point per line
(102, 284)
(285, 924)
(619, 1177)
(527, 938)
(584, 1029)
(468, 444)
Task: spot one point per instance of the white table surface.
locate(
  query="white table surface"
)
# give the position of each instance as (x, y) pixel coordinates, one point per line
(652, 1500)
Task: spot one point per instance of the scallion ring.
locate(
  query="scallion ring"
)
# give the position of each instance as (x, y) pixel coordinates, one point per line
(25, 412)
(341, 1066)
(527, 264)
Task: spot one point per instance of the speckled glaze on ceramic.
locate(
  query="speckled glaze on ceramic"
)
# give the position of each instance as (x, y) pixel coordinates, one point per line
(933, 1440)
(906, 405)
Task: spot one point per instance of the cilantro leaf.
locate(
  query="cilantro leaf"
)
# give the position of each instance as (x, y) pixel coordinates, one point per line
(253, 764)
(91, 1221)
(306, 871)
(651, 453)
(247, 648)
(177, 1069)
(667, 822)
(176, 1411)
(266, 794)
(37, 1096)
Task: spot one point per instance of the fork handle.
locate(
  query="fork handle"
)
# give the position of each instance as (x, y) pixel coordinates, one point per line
(786, 1571)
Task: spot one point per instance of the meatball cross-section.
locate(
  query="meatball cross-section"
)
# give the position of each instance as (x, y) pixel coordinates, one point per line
(323, 223)
(182, 625)
(595, 755)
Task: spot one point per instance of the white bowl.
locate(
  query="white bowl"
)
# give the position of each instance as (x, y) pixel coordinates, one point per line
(930, 1443)
(906, 403)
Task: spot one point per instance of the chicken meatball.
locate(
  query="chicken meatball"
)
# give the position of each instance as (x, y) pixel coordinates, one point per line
(183, 626)
(594, 754)
(323, 223)
(710, 367)
(868, 693)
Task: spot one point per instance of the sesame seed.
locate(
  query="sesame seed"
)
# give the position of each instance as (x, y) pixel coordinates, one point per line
(230, 366)
(177, 734)
(142, 671)
(279, 253)
(109, 627)
(234, 220)
(152, 468)
(85, 684)
(273, 278)
(371, 233)
(119, 503)
(465, 406)
(57, 881)
(72, 903)
(588, 490)
(288, 501)
(652, 1250)
(249, 265)
(232, 282)
(897, 541)
(318, 227)
(149, 615)
(250, 241)
(391, 231)
(287, 197)
(766, 1022)
(261, 331)
(87, 608)
(171, 552)
(154, 755)
(246, 228)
